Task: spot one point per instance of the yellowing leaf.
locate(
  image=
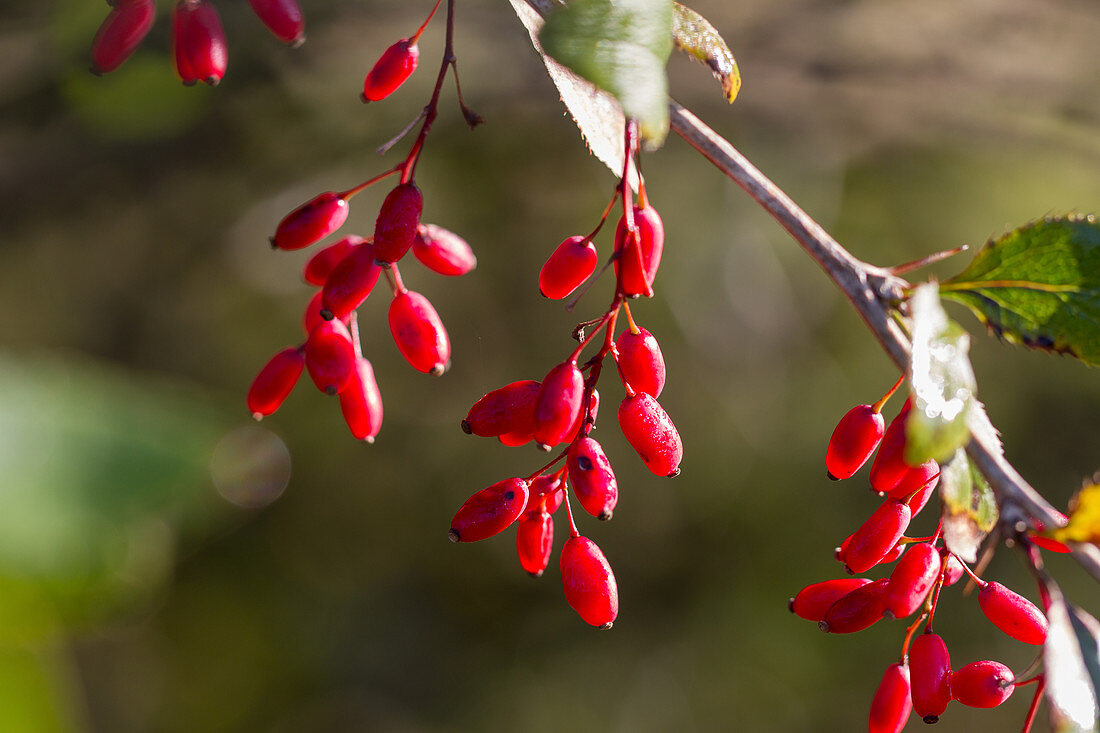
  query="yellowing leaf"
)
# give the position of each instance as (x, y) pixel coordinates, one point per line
(694, 35)
(1084, 518)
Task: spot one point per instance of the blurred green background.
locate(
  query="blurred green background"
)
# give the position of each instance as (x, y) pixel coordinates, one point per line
(154, 574)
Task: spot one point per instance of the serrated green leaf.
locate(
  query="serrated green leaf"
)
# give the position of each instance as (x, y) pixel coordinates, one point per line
(1071, 691)
(622, 47)
(969, 506)
(941, 381)
(694, 35)
(1039, 286)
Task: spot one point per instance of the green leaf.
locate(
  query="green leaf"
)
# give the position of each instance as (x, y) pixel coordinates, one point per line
(969, 506)
(1039, 286)
(694, 35)
(621, 47)
(1071, 688)
(941, 381)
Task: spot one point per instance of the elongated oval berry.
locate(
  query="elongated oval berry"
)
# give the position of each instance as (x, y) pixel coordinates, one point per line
(637, 273)
(593, 480)
(509, 409)
(650, 431)
(889, 465)
(516, 439)
(321, 265)
(390, 71)
(877, 536)
(535, 541)
(912, 579)
(641, 362)
(330, 357)
(350, 282)
(282, 17)
(1012, 613)
(489, 511)
(589, 584)
(929, 673)
(419, 333)
(920, 499)
(558, 403)
(311, 318)
(361, 402)
(120, 34)
(854, 440)
(1048, 543)
(891, 706)
(397, 222)
(983, 684)
(813, 601)
(584, 421)
(275, 382)
(568, 266)
(311, 222)
(954, 568)
(857, 610)
(201, 51)
(916, 479)
(443, 251)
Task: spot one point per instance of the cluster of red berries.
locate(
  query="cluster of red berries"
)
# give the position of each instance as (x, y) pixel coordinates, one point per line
(923, 679)
(562, 410)
(346, 273)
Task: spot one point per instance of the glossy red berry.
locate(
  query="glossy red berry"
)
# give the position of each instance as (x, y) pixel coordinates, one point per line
(508, 410)
(568, 266)
(361, 402)
(593, 480)
(548, 491)
(419, 333)
(636, 273)
(1013, 614)
(443, 251)
(1048, 543)
(201, 52)
(891, 705)
(311, 318)
(275, 382)
(311, 222)
(641, 362)
(929, 672)
(854, 440)
(321, 265)
(983, 684)
(916, 479)
(489, 511)
(813, 601)
(330, 357)
(282, 17)
(120, 34)
(588, 582)
(953, 568)
(912, 579)
(352, 279)
(398, 219)
(877, 536)
(390, 71)
(921, 498)
(650, 431)
(856, 610)
(558, 403)
(585, 420)
(535, 540)
(889, 465)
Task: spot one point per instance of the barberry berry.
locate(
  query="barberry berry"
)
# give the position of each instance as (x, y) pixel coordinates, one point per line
(854, 440)
(813, 601)
(891, 705)
(201, 52)
(558, 404)
(352, 279)
(330, 357)
(122, 31)
(650, 431)
(877, 536)
(641, 362)
(588, 582)
(311, 222)
(857, 610)
(535, 540)
(489, 511)
(930, 672)
(391, 70)
(1012, 613)
(983, 684)
(395, 229)
(283, 18)
(636, 264)
(504, 411)
(419, 333)
(912, 579)
(275, 382)
(593, 480)
(361, 402)
(321, 265)
(443, 251)
(889, 465)
(568, 267)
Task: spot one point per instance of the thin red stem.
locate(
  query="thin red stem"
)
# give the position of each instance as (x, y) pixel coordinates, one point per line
(416, 36)
(1034, 707)
(569, 513)
(877, 407)
(353, 191)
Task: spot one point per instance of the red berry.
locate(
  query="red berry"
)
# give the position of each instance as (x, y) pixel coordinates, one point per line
(419, 334)
(1013, 614)
(920, 499)
(650, 431)
(930, 671)
(982, 684)
(361, 402)
(857, 610)
(330, 357)
(889, 465)
(124, 28)
(912, 579)
(535, 541)
(558, 403)
(583, 419)
(311, 318)
(274, 382)
(350, 282)
(1046, 542)
(813, 601)
(588, 582)
(568, 266)
(200, 51)
(593, 480)
(489, 511)
(311, 222)
(877, 536)
(282, 17)
(443, 251)
(954, 571)
(916, 480)
(637, 274)
(891, 705)
(854, 439)
(397, 222)
(321, 265)
(641, 362)
(546, 490)
(396, 64)
(510, 409)
(516, 439)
